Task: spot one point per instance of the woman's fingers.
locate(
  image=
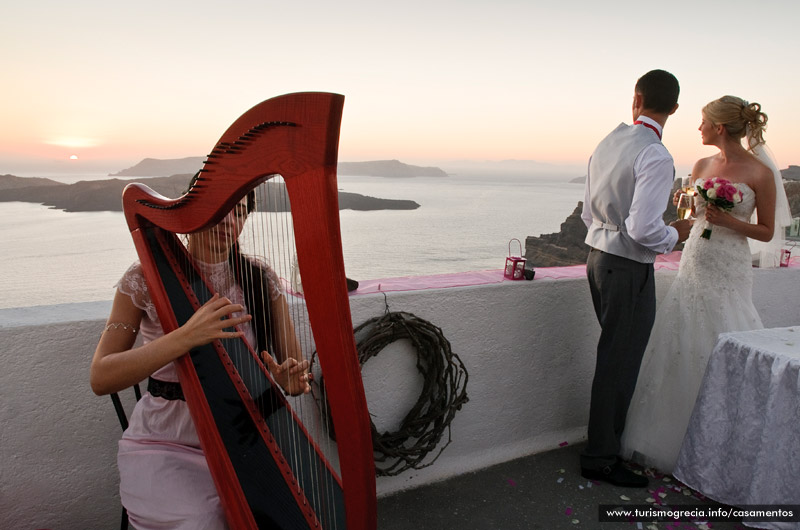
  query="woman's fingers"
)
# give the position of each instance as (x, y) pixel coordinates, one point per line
(213, 318)
(227, 309)
(272, 366)
(298, 367)
(221, 308)
(290, 374)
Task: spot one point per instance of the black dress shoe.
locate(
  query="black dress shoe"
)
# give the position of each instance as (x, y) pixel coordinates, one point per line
(352, 285)
(616, 474)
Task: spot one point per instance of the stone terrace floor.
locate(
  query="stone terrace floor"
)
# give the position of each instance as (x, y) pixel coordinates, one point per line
(542, 491)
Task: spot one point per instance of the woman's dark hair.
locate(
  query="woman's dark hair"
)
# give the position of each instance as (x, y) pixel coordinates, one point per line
(659, 90)
(253, 280)
(255, 284)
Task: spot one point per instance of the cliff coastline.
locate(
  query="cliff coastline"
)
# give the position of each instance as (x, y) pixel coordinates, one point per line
(565, 247)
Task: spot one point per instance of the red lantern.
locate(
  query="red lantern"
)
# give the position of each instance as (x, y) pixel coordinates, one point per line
(786, 256)
(515, 265)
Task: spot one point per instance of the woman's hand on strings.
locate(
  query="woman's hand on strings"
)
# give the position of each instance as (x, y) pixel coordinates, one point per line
(291, 374)
(211, 320)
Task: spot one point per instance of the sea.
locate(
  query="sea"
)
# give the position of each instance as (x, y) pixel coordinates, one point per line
(465, 222)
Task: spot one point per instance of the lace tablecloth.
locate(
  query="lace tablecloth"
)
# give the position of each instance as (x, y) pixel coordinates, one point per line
(742, 447)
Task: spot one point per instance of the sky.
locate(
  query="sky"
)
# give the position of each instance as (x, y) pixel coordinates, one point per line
(426, 82)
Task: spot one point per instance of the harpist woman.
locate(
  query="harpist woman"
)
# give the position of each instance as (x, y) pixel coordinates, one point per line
(165, 481)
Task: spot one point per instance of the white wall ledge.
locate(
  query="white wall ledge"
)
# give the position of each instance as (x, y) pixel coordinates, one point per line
(528, 348)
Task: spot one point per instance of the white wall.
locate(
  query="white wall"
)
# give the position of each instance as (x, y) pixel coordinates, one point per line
(528, 348)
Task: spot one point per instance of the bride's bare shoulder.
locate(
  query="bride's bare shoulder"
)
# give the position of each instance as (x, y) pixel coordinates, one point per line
(701, 167)
(761, 174)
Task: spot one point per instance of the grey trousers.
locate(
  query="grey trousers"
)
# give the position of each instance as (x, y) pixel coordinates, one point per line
(624, 297)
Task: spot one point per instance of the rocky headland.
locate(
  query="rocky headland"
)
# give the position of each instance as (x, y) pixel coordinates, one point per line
(791, 173)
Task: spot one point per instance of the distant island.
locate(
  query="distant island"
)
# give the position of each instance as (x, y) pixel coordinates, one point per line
(106, 195)
(153, 167)
(387, 168)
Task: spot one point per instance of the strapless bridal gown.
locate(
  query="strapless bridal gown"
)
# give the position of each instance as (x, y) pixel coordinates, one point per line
(711, 294)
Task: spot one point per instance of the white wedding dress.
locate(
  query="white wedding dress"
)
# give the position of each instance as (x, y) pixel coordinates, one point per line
(711, 294)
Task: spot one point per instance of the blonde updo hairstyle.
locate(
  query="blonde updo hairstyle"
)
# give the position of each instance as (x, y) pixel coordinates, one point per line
(739, 118)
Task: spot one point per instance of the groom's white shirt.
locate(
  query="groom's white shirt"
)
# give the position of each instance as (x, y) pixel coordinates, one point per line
(654, 172)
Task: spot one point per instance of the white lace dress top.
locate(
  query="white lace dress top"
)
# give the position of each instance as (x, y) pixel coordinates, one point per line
(218, 275)
(164, 477)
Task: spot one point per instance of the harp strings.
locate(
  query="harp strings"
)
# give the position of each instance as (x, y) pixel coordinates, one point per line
(280, 325)
(293, 333)
(297, 327)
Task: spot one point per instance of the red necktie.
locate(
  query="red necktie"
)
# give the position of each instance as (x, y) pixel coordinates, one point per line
(639, 122)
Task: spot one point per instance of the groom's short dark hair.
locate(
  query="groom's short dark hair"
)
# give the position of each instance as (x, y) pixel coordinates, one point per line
(659, 89)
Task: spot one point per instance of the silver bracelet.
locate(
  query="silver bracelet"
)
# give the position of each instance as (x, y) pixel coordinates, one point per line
(117, 325)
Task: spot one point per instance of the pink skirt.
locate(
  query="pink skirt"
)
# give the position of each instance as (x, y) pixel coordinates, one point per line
(165, 482)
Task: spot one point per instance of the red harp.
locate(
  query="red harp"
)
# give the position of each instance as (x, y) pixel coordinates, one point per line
(269, 461)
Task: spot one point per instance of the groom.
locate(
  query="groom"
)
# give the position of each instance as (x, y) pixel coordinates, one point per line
(627, 187)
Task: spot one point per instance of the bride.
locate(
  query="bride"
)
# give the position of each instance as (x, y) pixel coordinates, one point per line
(712, 292)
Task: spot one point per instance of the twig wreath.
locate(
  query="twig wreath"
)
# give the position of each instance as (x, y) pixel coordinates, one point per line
(443, 393)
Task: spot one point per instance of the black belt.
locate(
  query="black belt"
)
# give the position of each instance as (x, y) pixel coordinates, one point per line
(165, 389)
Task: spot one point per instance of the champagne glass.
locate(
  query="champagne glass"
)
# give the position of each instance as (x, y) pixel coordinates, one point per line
(685, 206)
(687, 187)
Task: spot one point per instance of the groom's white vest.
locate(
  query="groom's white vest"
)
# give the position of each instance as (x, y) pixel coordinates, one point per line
(611, 185)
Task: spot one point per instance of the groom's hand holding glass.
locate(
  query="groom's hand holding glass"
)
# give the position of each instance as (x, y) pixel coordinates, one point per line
(683, 226)
(685, 206)
(683, 199)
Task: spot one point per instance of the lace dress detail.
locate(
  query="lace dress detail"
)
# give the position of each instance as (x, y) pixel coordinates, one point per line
(133, 284)
(711, 294)
(161, 440)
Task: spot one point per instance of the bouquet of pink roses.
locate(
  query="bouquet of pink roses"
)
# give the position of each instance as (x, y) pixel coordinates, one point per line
(721, 193)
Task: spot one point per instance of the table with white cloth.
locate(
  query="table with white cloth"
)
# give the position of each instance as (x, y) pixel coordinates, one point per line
(742, 446)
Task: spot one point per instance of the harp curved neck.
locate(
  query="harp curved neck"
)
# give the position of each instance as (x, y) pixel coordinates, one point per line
(291, 135)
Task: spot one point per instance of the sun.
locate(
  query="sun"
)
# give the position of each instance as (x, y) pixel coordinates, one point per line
(73, 157)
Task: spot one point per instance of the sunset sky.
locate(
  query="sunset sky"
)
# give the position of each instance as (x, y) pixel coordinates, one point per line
(110, 83)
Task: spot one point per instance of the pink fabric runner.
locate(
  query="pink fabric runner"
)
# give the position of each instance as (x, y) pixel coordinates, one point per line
(464, 279)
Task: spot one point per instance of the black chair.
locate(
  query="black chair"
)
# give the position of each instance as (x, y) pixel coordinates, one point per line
(123, 421)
